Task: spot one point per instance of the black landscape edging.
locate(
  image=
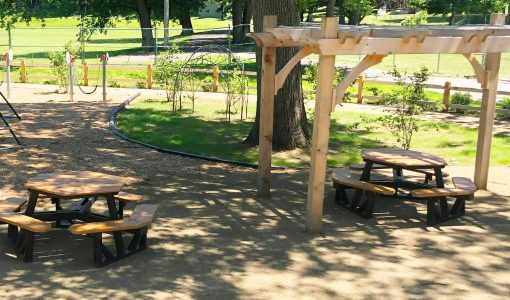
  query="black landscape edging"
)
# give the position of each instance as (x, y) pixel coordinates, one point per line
(122, 106)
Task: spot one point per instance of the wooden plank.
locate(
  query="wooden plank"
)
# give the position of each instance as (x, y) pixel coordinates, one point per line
(446, 95)
(76, 184)
(128, 197)
(11, 205)
(403, 158)
(320, 135)
(25, 222)
(142, 216)
(487, 114)
(464, 183)
(440, 192)
(285, 71)
(266, 114)
(361, 80)
(343, 177)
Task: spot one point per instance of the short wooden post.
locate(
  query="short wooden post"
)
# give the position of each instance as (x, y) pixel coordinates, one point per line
(320, 136)
(266, 113)
(446, 95)
(216, 74)
(361, 83)
(487, 112)
(85, 74)
(149, 76)
(23, 71)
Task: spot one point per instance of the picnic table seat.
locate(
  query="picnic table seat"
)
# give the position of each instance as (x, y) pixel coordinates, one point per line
(137, 224)
(23, 238)
(437, 205)
(429, 173)
(124, 198)
(343, 180)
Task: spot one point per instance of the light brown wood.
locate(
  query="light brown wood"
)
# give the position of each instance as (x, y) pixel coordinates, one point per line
(320, 135)
(361, 80)
(25, 222)
(76, 184)
(149, 76)
(439, 192)
(343, 176)
(216, 75)
(266, 114)
(367, 62)
(129, 197)
(11, 205)
(464, 183)
(446, 95)
(480, 71)
(487, 113)
(23, 71)
(402, 158)
(285, 71)
(142, 216)
(85, 74)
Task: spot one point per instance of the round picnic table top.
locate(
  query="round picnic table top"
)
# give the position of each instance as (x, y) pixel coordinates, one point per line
(402, 158)
(76, 184)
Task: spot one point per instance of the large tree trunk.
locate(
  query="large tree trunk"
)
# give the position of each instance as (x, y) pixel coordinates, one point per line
(330, 8)
(144, 17)
(237, 20)
(185, 22)
(247, 15)
(290, 128)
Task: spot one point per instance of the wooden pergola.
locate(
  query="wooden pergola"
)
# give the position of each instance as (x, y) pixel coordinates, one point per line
(375, 43)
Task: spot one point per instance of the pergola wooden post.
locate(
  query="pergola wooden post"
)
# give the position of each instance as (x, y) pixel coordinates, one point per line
(266, 112)
(375, 43)
(487, 112)
(320, 135)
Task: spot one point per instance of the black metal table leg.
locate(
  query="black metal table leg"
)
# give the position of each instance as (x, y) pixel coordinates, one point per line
(365, 176)
(439, 177)
(32, 201)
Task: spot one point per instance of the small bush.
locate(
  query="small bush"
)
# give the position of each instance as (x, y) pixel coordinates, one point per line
(505, 103)
(140, 85)
(114, 84)
(463, 99)
(420, 18)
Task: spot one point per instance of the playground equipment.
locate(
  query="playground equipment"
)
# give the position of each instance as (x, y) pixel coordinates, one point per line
(8, 56)
(70, 59)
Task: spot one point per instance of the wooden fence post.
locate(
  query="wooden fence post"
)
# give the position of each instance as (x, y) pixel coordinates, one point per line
(361, 82)
(23, 71)
(85, 74)
(446, 95)
(149, 76)
(216, 74)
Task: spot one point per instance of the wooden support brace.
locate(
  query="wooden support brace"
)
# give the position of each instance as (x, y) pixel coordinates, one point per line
(23, 71)
(149, 76)
(85, 74)
(367, 62)
(480, 72)
(285, 71)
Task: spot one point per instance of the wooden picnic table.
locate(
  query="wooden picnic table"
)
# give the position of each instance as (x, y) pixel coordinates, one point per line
(74, 185)
(400, 159)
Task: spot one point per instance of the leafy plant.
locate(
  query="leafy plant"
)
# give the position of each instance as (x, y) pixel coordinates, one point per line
(420, 18)
(167, 74)
(505, 103)
(114, 84)
(405, 104)
(140, 85)
(463, 99)
(58, 64)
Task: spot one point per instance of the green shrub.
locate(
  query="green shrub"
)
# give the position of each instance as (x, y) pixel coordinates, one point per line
(140, 85)
(463, 99)
(420, 18)
(505, 103)
(114, 84)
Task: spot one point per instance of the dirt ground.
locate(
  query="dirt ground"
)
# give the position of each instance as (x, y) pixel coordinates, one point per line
(215, 239)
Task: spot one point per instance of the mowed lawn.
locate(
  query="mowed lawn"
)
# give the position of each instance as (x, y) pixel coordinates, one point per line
(207, 133)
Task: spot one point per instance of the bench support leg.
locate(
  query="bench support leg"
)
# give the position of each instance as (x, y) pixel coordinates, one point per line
(23, 242)
(103, 256)
(438, 210)
(362, 207)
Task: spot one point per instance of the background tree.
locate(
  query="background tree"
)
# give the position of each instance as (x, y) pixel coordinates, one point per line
(354, 11)
(290, 128)
(459, 7)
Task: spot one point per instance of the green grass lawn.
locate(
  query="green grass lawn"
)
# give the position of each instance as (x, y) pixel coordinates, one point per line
(206, 133)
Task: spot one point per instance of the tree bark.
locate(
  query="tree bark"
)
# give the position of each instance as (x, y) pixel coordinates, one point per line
(310, 12)
(290, 129)
(237, 19)
(330, 8)
(185, 22)
(247, 15)
(144, 17)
